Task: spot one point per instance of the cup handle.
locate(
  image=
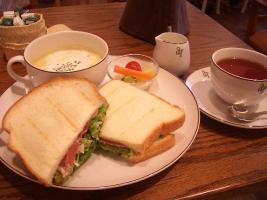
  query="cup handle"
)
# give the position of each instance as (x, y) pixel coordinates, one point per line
(12, 73)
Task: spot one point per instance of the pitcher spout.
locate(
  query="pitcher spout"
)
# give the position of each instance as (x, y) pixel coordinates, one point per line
(171, 37)
(158, 39)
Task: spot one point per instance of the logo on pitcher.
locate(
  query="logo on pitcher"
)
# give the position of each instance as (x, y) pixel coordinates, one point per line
(205, 74)
(179, 51)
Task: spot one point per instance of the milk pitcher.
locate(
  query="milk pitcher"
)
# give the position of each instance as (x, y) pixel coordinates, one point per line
(172, 52)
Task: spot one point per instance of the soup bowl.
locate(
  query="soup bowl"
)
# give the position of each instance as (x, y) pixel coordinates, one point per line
(237, 89)
(56, 42)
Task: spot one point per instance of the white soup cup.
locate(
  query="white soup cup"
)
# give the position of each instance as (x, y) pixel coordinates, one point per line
(59, 41)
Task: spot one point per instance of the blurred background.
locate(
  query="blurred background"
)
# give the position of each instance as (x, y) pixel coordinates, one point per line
(238, 16)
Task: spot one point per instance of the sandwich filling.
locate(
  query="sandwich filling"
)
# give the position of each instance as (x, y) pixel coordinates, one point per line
(82, 148)
(117, 148)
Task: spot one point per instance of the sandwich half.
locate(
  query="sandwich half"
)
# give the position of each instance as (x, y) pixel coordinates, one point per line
(54, 128)
(138, 125)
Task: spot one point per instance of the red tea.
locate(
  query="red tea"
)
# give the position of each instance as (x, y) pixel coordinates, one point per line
(244, 68)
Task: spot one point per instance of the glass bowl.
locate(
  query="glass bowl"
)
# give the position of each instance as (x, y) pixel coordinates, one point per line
(148, 65)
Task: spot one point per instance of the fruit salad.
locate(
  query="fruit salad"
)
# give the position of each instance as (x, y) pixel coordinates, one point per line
(136, 69)
(134, 72)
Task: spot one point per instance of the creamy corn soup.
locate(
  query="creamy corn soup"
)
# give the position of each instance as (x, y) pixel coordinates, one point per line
(67, 60)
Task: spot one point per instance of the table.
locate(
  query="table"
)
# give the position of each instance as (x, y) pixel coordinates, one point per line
(221, 159)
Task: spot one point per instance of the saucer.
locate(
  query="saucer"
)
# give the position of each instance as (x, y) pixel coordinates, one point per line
(213, 106)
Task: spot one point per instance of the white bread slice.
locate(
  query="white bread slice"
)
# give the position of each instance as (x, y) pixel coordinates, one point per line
(136, 118)
(45, 123)
(159, 146)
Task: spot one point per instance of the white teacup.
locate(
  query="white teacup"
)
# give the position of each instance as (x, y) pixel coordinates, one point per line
(172, 52)
(56, 42)
(235, 89)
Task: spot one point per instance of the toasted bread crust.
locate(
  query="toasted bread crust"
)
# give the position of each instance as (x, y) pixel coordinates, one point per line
(156, 148)
(165, 128)
(28, 166)
(162, 128)
(54, 80)
(6, 127)
(172, 125)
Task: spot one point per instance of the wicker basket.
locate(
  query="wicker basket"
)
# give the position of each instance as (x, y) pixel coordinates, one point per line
(14, 39)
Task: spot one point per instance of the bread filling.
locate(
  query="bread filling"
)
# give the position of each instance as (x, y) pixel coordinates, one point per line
(108, 142)
(81, 149)
(117, 148)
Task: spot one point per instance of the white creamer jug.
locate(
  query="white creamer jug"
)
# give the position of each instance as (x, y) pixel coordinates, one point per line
(172, 52)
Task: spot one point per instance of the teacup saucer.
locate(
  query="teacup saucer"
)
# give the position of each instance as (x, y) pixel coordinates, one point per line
(211, 105)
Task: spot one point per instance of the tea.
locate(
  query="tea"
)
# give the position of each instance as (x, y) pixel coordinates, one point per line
(244, 68)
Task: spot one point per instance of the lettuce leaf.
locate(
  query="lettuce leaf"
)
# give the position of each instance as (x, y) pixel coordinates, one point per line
(80, 159)
(97, 122)
(121, 151)
(88, 150)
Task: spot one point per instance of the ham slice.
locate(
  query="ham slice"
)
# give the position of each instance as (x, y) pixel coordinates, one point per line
(68, 161)
(113, 143)
(70, 157)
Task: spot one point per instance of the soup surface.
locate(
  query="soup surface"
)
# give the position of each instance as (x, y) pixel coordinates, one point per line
(67, 60)
(244, 68)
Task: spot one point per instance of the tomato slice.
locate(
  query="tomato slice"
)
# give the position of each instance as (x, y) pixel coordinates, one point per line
(134, 66)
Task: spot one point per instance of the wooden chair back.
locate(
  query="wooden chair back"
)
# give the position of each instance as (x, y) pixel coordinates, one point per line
(256, 35)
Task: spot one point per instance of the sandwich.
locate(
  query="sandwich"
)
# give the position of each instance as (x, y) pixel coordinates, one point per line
(55, 127)
(138, 125)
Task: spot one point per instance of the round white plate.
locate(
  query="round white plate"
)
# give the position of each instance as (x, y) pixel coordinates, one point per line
(211, 105)
(103, 171)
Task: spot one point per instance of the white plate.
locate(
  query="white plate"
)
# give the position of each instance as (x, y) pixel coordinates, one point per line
(102, 171)
(211, 105)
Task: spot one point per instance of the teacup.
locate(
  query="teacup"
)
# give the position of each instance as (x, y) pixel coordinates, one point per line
(238, 83)
(56, 42)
